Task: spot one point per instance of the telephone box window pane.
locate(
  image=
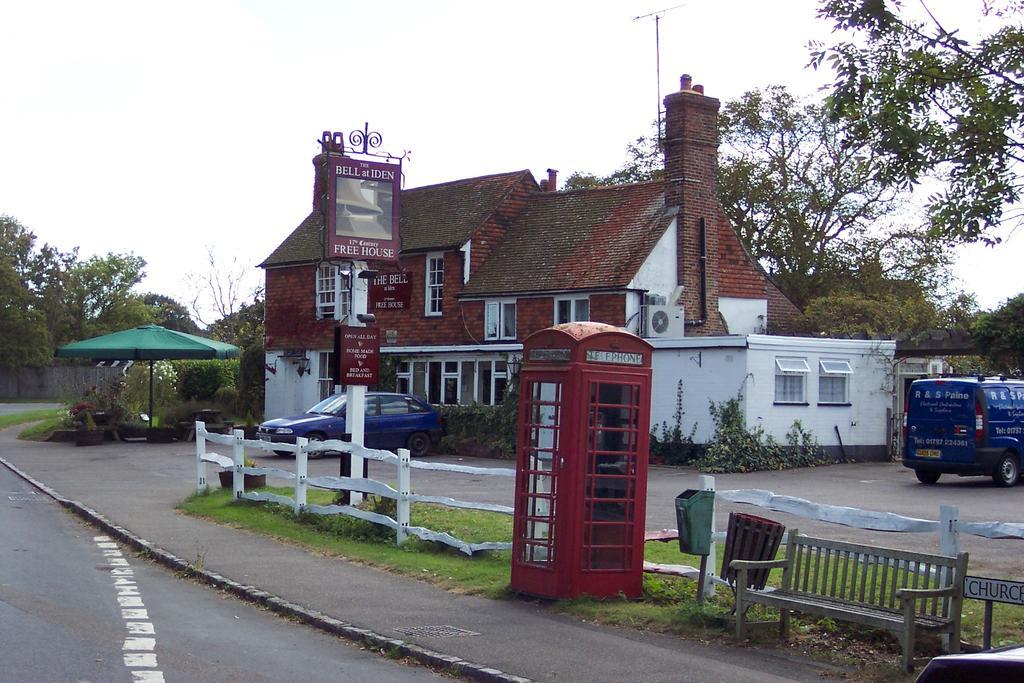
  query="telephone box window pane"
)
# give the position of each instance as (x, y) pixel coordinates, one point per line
(540, 461)
(609, 558)
(537, 494)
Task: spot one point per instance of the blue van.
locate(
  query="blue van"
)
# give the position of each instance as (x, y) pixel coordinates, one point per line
(965, 426)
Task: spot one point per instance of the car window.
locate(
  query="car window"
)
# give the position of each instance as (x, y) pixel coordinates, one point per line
(372, 406)
(393, 405)
(417, 407)
(332, 405)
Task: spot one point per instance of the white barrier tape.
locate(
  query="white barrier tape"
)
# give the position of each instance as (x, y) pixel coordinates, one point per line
(267, 497)
(218, 459)
(452, 503)
(863, 519)
(350, 511)
(448, 539)
(270, 471)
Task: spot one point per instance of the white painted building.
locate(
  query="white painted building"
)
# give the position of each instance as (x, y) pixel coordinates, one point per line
(839, 389)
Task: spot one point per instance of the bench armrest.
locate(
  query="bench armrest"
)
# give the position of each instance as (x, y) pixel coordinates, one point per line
(915, 593)
(758, 564)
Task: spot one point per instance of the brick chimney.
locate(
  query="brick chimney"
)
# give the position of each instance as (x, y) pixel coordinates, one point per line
(552, 180)
(691, 186)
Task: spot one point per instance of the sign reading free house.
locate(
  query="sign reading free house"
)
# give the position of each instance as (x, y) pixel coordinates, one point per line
(362, 210)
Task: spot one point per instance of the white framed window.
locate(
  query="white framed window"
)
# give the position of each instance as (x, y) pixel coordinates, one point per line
(791, 380)
(572, 309)
(325, 387)
(500, 319)
(834, 381)
(434, 284)
(331, 286)
(454, 381)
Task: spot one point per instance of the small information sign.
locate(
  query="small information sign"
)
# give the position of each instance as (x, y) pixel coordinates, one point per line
(360, 355)
(992, 590)
(390, 292)
(596, 356)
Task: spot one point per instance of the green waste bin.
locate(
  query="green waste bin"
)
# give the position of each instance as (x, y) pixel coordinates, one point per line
(694, 510)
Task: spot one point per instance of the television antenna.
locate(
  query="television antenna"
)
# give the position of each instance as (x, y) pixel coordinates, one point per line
(657, 50)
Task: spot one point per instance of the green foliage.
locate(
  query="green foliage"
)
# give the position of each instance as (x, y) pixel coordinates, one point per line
(252, 380)
(24, 339)
(99, 298)
(166, 312)
(243, 328)
(227, 401)
(669, 445)
(928, 101)
(999, 335)
(135, 396)
(735, 448)
(645, 160)
(476, 429)
(200, 379)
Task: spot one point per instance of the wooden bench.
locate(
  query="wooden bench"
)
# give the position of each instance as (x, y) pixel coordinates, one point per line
(896, 590)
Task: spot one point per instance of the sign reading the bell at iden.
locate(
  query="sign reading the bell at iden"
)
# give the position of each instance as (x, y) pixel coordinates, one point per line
(360, 355)
(362, 210)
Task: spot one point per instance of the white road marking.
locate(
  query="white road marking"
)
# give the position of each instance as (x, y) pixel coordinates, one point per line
(138, 649)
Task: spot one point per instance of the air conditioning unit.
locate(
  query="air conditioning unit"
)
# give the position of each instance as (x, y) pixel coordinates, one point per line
(665, 321)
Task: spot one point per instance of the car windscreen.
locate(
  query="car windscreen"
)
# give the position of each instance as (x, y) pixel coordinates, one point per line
(332, 405)
(941, 400)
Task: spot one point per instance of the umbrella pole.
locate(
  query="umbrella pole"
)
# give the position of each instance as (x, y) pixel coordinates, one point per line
(151, 392)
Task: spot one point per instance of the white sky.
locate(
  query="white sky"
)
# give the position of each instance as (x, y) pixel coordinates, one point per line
(164, 128)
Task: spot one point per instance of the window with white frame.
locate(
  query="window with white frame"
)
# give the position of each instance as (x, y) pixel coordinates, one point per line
(834, 381)
(434, 283)
(453, 381)
(324, 383)
(572, 309)
(791, 380)
(500, 319)
(331, 286)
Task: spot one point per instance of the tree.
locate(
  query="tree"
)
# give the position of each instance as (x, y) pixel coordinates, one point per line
(23, 336)
(999, 335)
(805, 204)
(220, 290)
(243, 328)
(169, 313)
(99, 296)
(928, 101)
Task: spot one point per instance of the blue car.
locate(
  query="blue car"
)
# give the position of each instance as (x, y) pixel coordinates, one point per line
(392, 421)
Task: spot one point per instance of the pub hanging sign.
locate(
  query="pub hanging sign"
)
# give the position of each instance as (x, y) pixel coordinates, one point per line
(362, 209)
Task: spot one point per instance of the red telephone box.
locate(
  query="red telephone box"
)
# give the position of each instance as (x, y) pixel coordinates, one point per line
(581, 462)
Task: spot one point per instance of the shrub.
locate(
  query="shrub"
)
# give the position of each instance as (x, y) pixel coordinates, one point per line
(484, 430)
(136, 388)
(735, 448)
(673, 447)
(227, 401)
(200, 379)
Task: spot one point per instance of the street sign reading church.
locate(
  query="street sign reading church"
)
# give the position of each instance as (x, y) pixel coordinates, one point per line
(363, 209)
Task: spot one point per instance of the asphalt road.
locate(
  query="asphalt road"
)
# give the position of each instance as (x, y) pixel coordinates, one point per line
(76, 607)
(9, 408)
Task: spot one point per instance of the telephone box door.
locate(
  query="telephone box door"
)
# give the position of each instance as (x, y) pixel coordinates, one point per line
(537, 566)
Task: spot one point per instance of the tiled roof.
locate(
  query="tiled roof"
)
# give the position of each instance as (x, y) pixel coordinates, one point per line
(583, 239)
(433, 217)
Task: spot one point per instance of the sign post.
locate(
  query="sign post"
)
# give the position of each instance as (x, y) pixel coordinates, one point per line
(355, 394)
(993, 590)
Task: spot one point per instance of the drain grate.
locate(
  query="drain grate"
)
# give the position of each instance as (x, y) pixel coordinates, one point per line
(23, 497)
(443, 631)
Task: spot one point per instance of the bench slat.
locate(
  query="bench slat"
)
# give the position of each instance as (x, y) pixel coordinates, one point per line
(862, 614)
(895, 553)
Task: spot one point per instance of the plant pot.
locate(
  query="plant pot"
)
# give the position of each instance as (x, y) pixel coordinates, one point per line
(252, 481)
(250, 431)
(160, 434)
(89, 437)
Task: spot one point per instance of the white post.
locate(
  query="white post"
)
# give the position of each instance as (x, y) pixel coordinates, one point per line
(201, 484)
(301, 474)
(404, 486)
(355, 394)
(707, 483)
(949, 530)
(238, 456)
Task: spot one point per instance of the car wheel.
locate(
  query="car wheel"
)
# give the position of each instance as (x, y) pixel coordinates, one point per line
(315, 436)
(418, 444)
(283, 454)
(927, 477)
(1007, 471)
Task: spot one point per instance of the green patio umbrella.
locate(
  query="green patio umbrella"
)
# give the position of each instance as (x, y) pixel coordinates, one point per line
(149, 342)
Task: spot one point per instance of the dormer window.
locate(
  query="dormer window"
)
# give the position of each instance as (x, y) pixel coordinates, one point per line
(331, 287)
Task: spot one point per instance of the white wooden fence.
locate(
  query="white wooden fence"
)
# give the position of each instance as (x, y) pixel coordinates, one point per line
(403, 495)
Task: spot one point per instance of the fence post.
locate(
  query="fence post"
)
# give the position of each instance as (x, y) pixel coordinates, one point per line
(402, 504)
(949, 530)
(201, 484)
(707, 483)
(301, 473)
(238, 456)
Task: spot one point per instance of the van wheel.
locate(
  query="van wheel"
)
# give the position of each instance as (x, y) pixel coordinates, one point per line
(1007, 471)
(927, 477)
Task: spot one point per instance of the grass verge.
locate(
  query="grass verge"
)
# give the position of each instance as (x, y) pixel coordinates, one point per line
(31, 416)
(668, 604)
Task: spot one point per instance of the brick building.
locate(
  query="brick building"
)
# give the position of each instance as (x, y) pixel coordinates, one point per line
(494, 258)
